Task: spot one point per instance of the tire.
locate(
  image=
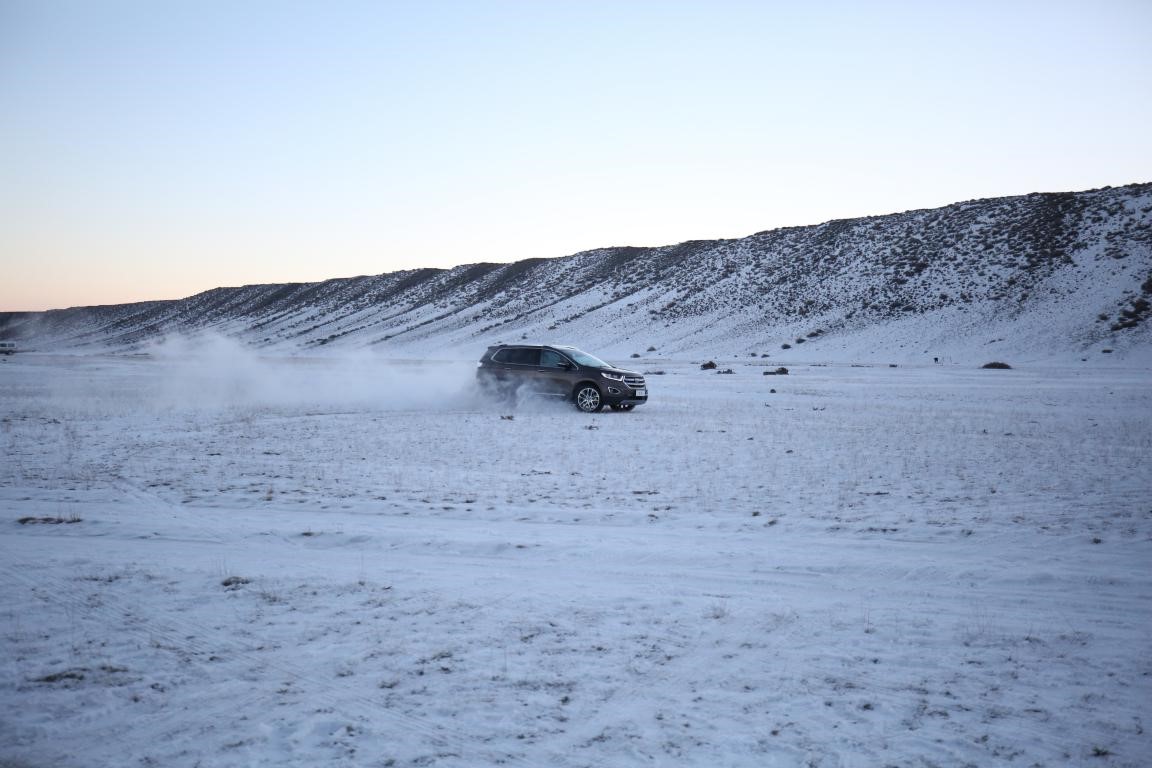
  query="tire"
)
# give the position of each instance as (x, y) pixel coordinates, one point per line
(624, 407)
(587, 398)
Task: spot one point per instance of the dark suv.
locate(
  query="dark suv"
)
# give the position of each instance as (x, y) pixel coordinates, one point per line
(558, 371)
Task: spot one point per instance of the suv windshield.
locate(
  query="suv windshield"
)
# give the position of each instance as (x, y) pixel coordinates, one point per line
(583, 358)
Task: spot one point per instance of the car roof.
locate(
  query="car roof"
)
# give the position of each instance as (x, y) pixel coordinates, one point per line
(531, 346)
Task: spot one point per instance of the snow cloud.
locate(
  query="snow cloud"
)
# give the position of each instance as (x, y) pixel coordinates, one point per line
(216, 372)
(211, 373)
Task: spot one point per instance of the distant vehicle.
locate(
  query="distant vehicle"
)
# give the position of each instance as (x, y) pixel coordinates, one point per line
(563, 372)
(7, 347)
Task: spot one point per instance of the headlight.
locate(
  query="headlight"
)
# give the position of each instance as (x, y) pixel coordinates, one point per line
(613, 376)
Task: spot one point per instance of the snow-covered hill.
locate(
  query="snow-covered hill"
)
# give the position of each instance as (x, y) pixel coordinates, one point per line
(1039, 277)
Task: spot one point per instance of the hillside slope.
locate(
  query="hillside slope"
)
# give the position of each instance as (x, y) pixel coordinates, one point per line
(1041, 276)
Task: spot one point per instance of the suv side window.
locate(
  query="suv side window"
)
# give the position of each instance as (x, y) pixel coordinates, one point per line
(551, 359)
(516, 356)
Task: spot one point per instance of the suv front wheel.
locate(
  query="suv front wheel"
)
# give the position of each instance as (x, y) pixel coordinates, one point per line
(588, 398)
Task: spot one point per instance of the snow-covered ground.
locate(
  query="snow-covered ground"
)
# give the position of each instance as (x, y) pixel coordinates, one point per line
(211, 559)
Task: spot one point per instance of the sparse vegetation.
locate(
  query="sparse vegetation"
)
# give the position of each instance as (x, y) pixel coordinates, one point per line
(67, 675)
(1134, 314)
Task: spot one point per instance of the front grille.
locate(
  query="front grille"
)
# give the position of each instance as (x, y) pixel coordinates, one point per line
(636, 382)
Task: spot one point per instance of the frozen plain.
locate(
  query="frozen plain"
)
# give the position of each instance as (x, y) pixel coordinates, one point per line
(243, 562)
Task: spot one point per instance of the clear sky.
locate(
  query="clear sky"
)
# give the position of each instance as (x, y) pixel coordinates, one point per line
(156, 148)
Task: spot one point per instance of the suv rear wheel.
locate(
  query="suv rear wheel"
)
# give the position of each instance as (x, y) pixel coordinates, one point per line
(588, 398)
